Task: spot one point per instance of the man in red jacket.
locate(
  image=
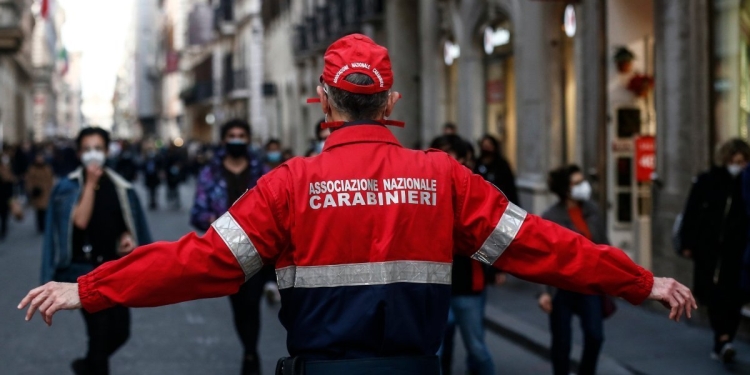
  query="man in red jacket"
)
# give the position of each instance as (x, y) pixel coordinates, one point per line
(362, 237)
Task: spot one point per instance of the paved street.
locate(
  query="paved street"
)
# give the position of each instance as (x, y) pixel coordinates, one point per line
(189, 338)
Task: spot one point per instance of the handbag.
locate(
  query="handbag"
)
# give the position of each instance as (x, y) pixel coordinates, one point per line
(609, 307)
(16, 209)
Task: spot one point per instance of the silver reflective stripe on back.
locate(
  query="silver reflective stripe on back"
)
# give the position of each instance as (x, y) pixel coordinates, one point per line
(381, 273)
(240, 245)
(503, 234)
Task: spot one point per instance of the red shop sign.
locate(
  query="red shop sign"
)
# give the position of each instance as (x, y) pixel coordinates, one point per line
(645, 157)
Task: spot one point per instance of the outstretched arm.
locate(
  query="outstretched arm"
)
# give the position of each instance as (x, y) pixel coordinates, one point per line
(493, 230)
(216, 264)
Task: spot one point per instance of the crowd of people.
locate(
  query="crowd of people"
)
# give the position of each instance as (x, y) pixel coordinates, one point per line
(95, 179)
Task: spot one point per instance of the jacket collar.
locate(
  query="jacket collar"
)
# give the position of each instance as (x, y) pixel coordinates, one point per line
(360, 133)
(116, 178)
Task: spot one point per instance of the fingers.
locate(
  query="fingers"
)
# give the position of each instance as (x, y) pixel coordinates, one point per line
(48, 310)
(30, 296)
(35, 304)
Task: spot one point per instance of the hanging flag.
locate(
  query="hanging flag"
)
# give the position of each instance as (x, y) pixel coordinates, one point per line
(45, 8)
(62, 59)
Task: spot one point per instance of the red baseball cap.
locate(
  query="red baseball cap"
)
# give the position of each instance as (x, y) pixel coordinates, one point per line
(356, 53)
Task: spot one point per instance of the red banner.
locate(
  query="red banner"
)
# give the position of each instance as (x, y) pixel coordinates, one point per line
(645, 158)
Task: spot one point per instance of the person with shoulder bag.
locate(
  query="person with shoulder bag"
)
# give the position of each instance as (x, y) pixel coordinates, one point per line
(577, 212)
(714, 235)
(94, 217)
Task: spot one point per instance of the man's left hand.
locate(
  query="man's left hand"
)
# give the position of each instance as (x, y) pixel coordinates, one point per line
(673, 296)
(127, 244)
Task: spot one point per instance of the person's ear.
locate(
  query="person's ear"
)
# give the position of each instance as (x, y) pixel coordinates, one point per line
(323, 100)
(392, 99)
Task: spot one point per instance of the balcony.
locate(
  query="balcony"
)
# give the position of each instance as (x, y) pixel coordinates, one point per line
(11, 30)
(235, 84)
(199, 92)
(224, 18)
(333, 20)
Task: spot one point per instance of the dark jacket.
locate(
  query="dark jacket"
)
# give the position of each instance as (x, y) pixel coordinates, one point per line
(57, 252)
(558, 213)
(211, 189)
(714, 228)
(499, 173)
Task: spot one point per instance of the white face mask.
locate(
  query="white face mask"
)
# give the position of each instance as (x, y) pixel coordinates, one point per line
(581, 192)
(5, 159)
(93, 157)
(734, 169)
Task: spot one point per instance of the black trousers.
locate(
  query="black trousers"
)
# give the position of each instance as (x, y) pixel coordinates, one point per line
(589, 309)
(4, 214)
(152, 196)
(108, 330)
(40, 218)
(246, 311)
(725, 306)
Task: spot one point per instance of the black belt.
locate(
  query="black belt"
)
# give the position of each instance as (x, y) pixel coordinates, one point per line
(425, 365)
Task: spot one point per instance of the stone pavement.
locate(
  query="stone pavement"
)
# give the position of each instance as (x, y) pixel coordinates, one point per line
(638, 340)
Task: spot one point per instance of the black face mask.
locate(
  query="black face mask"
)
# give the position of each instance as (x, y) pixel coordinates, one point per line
(236, 150)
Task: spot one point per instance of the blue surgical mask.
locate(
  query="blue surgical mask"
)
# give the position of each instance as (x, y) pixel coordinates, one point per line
(273, 156)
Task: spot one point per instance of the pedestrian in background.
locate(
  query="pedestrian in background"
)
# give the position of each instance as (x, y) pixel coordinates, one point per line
(152, 173)
(234, 170)
(127, 162)
(714, 235)
(94, 217)
(273, 156)
(321, 134)
(7, 181)
(468, 294)
(576, 211)
(39, 181)
(175, 171)
(495, 168)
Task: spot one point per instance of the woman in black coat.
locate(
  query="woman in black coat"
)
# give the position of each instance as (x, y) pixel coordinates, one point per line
(495, 169)
(714, 236)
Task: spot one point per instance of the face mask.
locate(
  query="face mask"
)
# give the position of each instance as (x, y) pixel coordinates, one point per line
(93, 157)
(236, 148)
(273, 156)
(5, 159)
(734, 169)
(319, 146)
(581, 192)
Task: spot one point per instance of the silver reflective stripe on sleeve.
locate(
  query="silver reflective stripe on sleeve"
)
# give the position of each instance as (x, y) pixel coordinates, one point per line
(359, 274)
(503, 234)
(240, 245)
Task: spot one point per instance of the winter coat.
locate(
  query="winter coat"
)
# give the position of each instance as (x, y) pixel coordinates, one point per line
(39, 182)
(714, 229)
(211, 199)
(499, 173)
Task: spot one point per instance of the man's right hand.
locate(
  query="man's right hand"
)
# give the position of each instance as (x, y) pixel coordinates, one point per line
(674, 296)
(51, 298)
(545, 302)
(93, 174)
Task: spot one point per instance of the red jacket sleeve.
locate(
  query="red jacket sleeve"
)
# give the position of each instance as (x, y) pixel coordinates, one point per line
(491, 229)
(216, 264)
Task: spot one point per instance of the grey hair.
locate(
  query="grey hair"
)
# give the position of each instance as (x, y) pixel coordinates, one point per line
(357, 107)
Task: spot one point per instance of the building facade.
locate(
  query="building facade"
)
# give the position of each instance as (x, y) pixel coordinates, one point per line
(222, 68)
(16, 72)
